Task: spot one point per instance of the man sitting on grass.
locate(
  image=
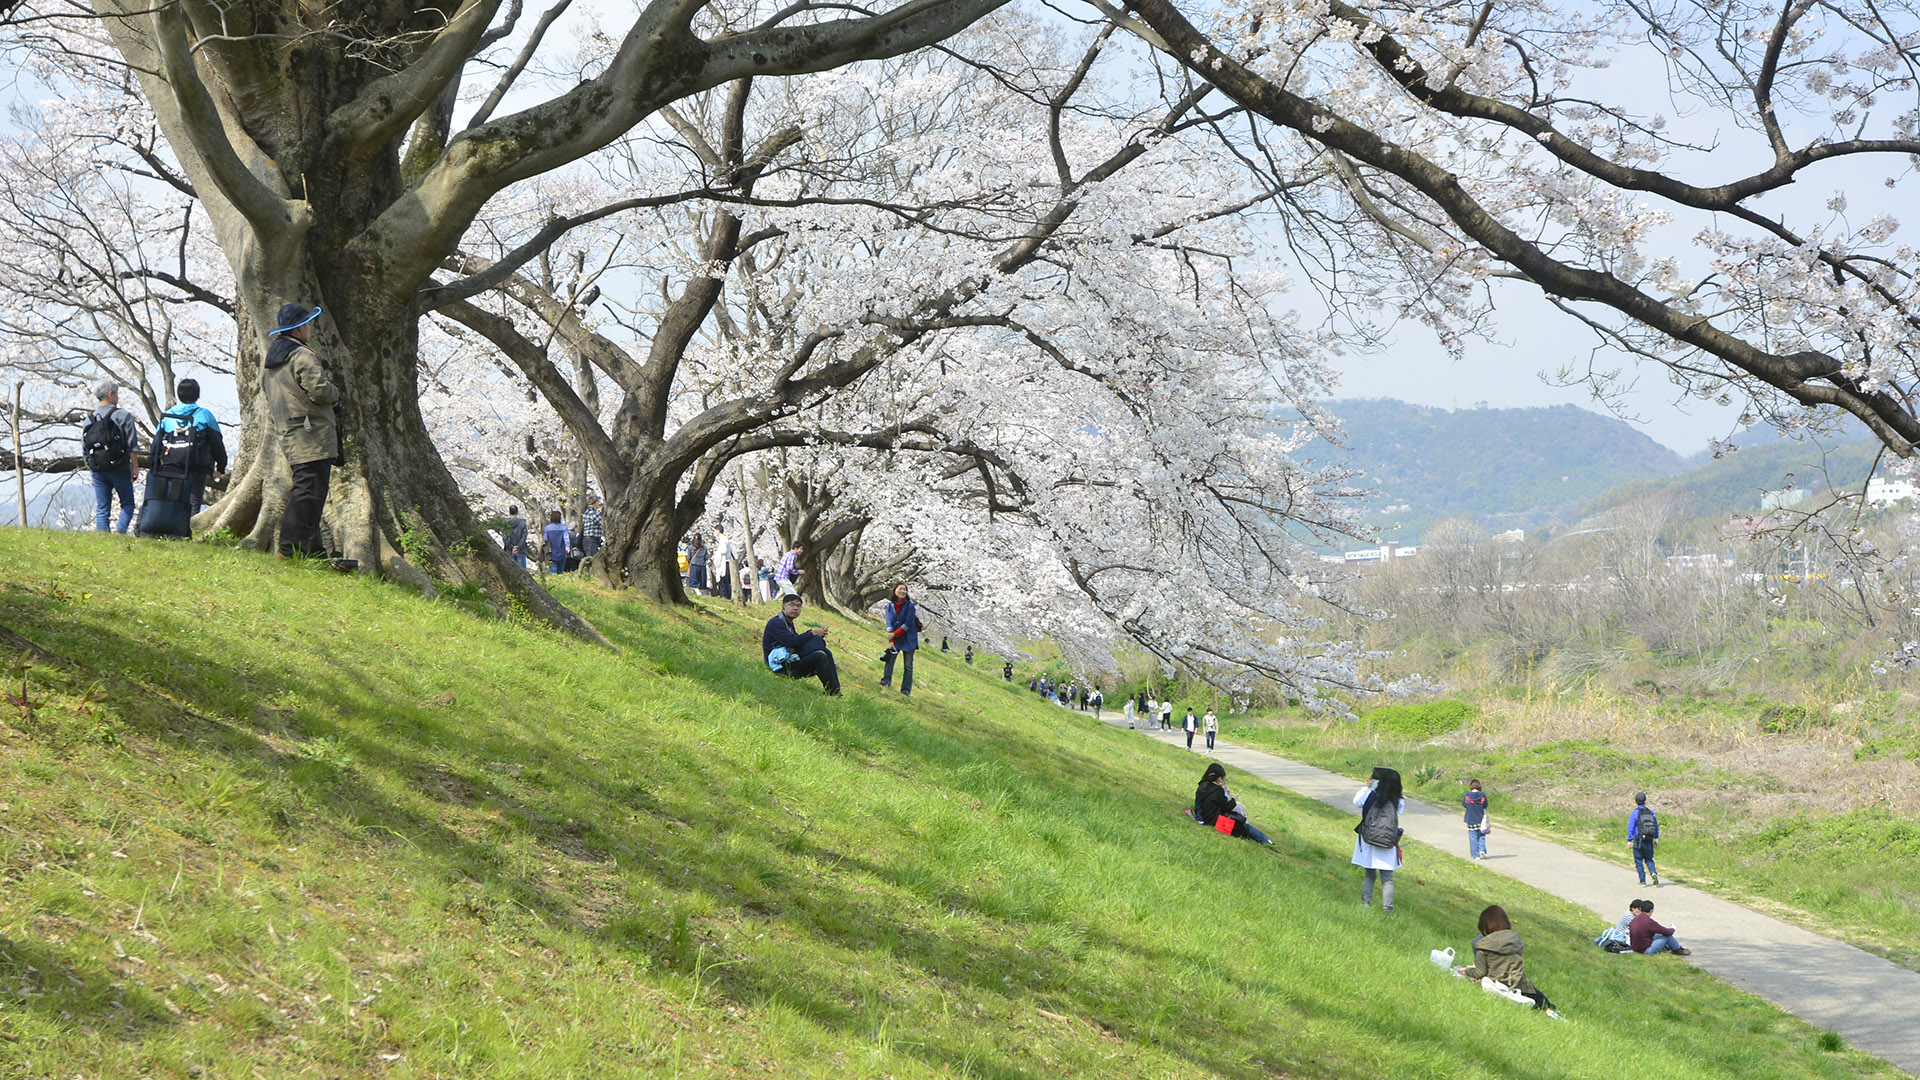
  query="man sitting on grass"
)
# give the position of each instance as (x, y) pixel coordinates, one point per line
(796, 653)
(1649, 937)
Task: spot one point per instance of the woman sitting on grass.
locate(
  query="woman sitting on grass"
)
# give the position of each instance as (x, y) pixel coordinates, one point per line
(1212, 800)
(1496, 956)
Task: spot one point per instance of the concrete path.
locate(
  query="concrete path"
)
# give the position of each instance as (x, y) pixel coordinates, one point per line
(1872, 1003)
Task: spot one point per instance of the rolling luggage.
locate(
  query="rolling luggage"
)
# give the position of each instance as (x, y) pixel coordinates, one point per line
(165, 511)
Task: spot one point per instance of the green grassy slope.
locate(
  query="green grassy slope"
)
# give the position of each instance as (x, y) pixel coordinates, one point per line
(262, 820)
(1849, 874)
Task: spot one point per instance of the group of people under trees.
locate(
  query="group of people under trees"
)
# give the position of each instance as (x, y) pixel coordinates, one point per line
(1073, 695)
(561, 549)
(1159, 717)
(1377, 851)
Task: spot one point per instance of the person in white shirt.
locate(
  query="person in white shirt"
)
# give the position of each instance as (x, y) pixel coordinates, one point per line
(1212, 727)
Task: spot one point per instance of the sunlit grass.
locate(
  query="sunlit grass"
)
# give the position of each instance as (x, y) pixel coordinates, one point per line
(266, 820)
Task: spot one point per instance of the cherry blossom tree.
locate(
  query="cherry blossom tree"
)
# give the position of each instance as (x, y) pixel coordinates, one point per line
(324, 152)
(1463, 143)
(106, 270)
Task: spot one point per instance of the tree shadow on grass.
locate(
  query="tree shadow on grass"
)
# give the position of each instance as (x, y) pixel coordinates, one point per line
(687, 846)
(59, 987)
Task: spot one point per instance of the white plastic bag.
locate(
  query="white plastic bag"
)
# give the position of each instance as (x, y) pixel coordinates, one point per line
(1442, 957)
(1493, 987)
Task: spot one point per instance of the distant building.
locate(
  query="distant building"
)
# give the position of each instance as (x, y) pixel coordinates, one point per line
(1511, 536)
(1779, 500)
(1882, 491)
(1387, 552)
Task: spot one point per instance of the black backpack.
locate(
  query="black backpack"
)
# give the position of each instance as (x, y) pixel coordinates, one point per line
(1380, 825)
(182, 448)
(102, 443)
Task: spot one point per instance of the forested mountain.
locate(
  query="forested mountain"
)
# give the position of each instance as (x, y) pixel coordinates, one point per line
(1738, 482)
(1506, 468)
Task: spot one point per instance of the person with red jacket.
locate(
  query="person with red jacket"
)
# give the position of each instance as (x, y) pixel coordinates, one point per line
(903, 637)
(1649, 937)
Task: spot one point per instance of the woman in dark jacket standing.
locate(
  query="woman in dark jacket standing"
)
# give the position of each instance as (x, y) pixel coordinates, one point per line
(1212, 799)
(903, 637)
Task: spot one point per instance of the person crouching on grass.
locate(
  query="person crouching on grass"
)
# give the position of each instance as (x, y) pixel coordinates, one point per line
(1496, 956)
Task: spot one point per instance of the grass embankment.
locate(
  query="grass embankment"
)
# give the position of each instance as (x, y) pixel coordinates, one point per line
(1745, 813)
(267, 821)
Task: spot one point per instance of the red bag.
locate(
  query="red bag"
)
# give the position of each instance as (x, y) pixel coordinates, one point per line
(1224, 823)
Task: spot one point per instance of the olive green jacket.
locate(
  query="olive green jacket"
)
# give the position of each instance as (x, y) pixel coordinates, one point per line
(300, 399)
(1497, 957)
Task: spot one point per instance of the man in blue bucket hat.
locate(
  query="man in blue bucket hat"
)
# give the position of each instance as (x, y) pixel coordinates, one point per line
(302, 401)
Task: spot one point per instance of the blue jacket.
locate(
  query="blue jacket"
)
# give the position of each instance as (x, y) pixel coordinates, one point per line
(906, 616)
(1635, 830)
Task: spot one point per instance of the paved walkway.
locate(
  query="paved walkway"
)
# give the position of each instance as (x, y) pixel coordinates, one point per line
(1872, 1003)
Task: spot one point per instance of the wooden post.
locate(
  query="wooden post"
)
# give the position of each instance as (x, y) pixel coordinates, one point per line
(746, 523)
(19, 460)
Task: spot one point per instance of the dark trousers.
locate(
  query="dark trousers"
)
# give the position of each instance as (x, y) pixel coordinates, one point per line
(197, 491)
(1189, 738)
(818, 662)
(300, 528)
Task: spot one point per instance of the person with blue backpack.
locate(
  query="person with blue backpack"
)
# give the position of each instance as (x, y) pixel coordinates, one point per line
(1643, 833)
(191, 425)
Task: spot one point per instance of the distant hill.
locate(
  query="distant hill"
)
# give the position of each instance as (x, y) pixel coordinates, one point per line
(1506, 468)
(1737, 482)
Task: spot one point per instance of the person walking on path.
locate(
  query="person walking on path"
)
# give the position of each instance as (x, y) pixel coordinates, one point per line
(1474, 802)
(1643, 834)
(304, 405)
(1649, 937)
(1128, 711)
(1212, 800)
(1376, 847)
(903, 637)
(110, 445)
(1166, 715)
(1099, 699)
(1190, 726)
(558, 542)
(517, 536)
(1213, 728)
(1496, 956)
(209, 454)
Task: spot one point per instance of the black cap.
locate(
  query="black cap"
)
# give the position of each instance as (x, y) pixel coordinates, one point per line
(294, 316)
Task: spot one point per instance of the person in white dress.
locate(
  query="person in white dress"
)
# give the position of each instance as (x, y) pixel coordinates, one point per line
(1128, 709)
(1380, 805)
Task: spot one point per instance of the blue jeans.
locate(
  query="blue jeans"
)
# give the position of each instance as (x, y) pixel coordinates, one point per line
(560, 564)
(1661, 943)
(105, 486)
(521, 558)
(1476, 843)
(1643, 861)
(1256, 835)
(906, 670)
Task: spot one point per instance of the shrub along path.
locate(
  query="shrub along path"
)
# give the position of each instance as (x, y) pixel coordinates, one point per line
(1872, 1003)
